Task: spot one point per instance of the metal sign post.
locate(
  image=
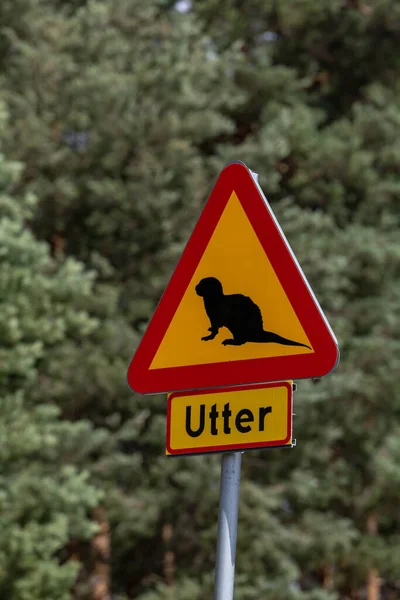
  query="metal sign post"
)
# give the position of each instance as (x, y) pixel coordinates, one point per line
(227, 526)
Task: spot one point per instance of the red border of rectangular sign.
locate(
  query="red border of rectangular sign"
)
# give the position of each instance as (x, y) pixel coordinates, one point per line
(225, 447)
(236, 177)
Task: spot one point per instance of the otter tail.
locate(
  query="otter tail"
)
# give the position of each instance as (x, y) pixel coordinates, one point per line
(270, 337)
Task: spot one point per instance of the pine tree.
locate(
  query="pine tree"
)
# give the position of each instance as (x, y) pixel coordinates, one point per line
(111, 105)
(123, 116)
(328, 141)
(45, 498)
(116, 151)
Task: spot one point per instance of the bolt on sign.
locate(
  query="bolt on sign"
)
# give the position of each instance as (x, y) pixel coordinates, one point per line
(228, 419)
(238, 308)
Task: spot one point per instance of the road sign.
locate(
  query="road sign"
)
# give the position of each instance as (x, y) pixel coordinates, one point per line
(238, 308)
(229, 419)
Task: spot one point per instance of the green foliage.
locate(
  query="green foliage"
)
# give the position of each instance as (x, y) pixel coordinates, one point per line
(44, 497)
(118, 153)
(122, 115)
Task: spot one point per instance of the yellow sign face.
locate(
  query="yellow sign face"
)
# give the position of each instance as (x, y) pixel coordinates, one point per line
(251, 291)
(232, 418)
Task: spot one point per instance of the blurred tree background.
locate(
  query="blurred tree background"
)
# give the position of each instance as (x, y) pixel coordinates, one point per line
(116, 117)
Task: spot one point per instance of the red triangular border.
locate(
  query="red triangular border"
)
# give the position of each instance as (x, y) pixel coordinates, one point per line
(236, 177)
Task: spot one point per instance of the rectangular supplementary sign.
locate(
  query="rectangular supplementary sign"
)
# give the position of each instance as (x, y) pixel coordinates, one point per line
(255, 416)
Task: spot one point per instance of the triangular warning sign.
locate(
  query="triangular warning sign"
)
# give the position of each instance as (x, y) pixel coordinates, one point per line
(238, 308)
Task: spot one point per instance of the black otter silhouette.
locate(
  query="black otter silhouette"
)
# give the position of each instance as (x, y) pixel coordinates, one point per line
(238, 313)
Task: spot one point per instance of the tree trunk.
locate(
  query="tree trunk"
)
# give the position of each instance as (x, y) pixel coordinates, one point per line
(328, 577)
(169, 556)
(100, 579)
(374, 582)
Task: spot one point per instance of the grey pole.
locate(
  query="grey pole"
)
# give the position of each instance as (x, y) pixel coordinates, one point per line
(227, 526)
